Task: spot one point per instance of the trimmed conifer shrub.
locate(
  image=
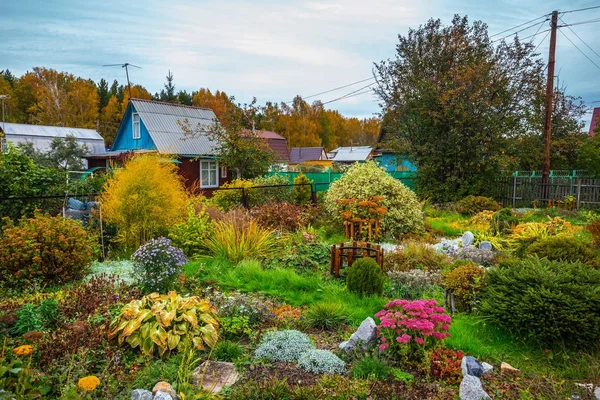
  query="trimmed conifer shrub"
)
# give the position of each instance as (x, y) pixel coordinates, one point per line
(365, 277)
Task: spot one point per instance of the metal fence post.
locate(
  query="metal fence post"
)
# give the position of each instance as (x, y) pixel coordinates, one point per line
(578, 193)
(514, 195)
(245, 199)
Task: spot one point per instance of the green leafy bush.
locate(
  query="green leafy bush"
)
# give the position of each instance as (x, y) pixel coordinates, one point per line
(465, 282)
(472, 205)
(284, 346)
(235, 327)
(191, 235)
(327, 316)
(227, 351)
(556, 303)
(280, 216)
(301, 194)
(365, 277)
(166, 322)
(502, 221)
(53, 249)
(416, 256)
(366, 180)
(231, 196)
(564, 248)
(31, 317)
(321, 362)
(412, 284)
(303, 252)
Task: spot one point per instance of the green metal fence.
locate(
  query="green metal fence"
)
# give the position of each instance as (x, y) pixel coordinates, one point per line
(322, 180)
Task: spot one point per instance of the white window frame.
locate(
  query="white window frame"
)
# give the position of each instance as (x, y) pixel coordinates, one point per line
(202, 172)
(136, 134)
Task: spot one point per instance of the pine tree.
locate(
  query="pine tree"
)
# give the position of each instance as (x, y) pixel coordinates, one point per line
(168, 94)
(103, 94)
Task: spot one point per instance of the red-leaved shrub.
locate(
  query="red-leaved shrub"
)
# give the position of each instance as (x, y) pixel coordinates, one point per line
(445, 364)
(281, 216)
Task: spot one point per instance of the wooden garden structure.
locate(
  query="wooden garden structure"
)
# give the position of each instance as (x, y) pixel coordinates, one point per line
(343, 256)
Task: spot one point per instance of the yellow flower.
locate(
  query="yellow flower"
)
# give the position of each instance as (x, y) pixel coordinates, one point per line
(24, 350)
(88, 383)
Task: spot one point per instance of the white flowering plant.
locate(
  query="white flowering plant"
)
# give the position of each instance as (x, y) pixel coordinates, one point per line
(157, 264)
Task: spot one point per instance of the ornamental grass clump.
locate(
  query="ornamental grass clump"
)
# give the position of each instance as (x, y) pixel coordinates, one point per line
(286, 346)
(321, 362)
(407, 329)
(157, 264)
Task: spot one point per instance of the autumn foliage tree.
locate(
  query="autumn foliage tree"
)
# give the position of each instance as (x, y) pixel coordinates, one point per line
(144, 199)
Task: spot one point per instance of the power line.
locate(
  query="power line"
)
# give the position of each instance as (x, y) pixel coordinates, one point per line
(334, 89)
(582, 41)
(351, 94)
(539, 44)
(581, 51)
(347, 97)
(518, 26)
(579, 9)
(520, 30)
(590, 21)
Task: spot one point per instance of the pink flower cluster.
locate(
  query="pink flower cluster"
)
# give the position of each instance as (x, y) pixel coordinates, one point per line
(419, 321)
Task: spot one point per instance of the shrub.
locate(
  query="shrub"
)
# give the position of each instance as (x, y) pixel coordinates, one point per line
(301, 194)
(303, 253)
(54, 249)
(370, 368)
(564, 248)
(365, 277)
(274, 194)
(416, 256)
(191, 235)
(321, 362)
(407, 329)
(412, 284)
(158, 370)
(157, 264)
(235, 327)
(476, 255)
(446, 364)
(594, 229)
(227, 351)
(280, 216)
(555, 302)
(472, 205)
(239, 236)
(465, 282)
(367, 179)
(502, 221)
(327, 316)
(143, 199)
(231, 197)
(166, 322)
(286, 346)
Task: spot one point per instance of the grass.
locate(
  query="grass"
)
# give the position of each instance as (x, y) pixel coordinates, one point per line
(289, 286)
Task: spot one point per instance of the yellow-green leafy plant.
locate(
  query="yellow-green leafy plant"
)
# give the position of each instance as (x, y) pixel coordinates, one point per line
(238, 236)
(166, 323)
(191, 235)
(465, 282)
(230, 196)
(144, 198)
(367, 179)
(498, 242)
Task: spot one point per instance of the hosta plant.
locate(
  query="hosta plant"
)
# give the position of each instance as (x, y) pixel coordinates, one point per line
(165, 323)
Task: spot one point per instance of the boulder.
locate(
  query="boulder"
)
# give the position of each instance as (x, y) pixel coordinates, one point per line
(487, 368)
(214, 375)
(485, 245)
(160, 395)
(467, 239)
(471, 389)
(164, 387)
(506, 368)
(597, 393)
(470, 366)
(365, 335)
(141, 394)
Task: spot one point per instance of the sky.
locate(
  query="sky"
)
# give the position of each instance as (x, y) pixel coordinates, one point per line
(271, 50)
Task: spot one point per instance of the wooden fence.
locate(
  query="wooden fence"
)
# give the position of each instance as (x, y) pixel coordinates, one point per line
(519, 191)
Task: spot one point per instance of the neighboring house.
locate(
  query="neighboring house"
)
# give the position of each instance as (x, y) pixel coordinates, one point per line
(303, 155)
(595, 121)
(277, 144)
(390, 160)
(156, 126)
(41, 136)
(350, 155)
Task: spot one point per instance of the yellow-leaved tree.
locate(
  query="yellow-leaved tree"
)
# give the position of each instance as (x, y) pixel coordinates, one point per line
(144, 199)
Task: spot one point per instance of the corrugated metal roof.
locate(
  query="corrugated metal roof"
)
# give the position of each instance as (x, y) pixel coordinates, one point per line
(50, 131)
(269, 135)
(163, 123)
(300, 154)
(355, 153)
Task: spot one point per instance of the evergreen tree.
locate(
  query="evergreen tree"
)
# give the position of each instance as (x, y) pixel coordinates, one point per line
(103, 94)
(168, 94)
(185, 98)
(8, 77)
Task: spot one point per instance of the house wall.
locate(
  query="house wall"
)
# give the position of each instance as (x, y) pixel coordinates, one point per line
(124, 139)
(393, 163)
(189, 169)
(96, 162)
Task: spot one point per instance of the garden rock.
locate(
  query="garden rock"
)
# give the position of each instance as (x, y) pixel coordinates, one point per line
(506, 368)
(485, 245)
(470, 366)
(141, 394)
(365, 334)
(467, 239)
(164, 387)
(214, 376)
(487, 368)
(597, 393)
(160, 395)
(471, 389)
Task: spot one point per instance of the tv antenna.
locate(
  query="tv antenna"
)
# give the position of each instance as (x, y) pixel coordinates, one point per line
(126, 66)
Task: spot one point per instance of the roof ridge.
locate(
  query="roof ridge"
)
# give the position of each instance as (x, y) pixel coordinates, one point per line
(172, 104)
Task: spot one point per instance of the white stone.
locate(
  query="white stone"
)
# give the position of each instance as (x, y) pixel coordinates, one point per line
(485, 245)
(467, 239)
(365, 335)
(141, 394)
(597, 393)
(160, 395)
(487, 368)
(471, 389)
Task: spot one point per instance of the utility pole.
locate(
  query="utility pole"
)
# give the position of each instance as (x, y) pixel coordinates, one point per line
(549, 100)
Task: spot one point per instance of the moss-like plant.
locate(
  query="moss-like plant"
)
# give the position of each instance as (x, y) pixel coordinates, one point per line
(365, 277)
(165, 323)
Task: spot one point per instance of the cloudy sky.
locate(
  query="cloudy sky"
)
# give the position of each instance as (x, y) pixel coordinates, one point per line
(265, 48)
